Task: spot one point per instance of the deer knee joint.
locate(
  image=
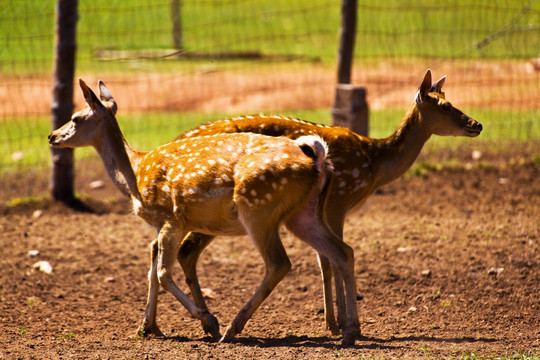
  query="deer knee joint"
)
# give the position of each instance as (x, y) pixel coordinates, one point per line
(281, 269)
(164, 277)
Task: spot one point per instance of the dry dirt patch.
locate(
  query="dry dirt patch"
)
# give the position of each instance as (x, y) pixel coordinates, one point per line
(493, 84)
(445, 264)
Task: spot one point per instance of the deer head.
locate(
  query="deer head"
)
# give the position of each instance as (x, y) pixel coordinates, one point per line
(442, 117)
(85, 124)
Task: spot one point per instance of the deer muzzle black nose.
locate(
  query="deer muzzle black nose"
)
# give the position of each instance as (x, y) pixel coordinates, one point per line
(51, 138)
(475, 125)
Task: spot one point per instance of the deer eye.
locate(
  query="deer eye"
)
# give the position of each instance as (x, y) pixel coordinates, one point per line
(446, 107)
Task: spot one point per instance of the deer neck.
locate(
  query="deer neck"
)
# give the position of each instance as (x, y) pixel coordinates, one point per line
(393, 156)
(117, 157)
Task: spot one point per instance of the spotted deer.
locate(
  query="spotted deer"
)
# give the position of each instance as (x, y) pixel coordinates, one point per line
(218, 184)
(361, 165)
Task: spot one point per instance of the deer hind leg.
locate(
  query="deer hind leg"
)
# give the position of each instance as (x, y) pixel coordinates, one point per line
(168, 245)
(268, 243)
(149, 325)
(307, 226)
(340, 299)
(335, 220)
(329, 316)
(190, 250)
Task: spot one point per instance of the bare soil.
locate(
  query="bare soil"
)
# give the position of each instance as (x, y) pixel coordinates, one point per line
(511, 84)
(447, 264)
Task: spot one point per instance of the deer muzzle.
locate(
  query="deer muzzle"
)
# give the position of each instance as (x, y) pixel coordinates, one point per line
(474, 128)
(55, 140)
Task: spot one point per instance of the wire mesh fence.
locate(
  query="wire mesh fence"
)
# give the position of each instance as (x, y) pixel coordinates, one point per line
(173, 64)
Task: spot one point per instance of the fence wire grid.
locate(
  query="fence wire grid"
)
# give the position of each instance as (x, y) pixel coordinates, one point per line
(173, 64)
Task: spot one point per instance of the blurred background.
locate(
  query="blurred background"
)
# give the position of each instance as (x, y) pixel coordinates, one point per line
(173, 64)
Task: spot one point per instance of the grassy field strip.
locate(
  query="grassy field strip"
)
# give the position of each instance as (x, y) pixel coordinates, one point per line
(303, 28)
(23, 142)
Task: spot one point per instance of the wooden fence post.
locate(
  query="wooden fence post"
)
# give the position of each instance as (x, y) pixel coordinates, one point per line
(350, 106)
(346, 40)
(176, 24)
(62, 177)
(351, 109)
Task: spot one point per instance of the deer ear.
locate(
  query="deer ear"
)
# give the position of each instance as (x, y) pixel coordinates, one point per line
(89, 96)
(424, 89)
(437, 85)
(106, 96)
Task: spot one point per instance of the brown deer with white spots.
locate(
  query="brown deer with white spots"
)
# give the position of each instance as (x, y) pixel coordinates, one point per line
(361, 164)
(221, 184)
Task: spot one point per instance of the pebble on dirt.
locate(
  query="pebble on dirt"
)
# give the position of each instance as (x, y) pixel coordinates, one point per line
(43, 266)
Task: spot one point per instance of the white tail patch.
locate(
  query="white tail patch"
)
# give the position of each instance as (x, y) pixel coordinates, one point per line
(317, 144)
(320, 152)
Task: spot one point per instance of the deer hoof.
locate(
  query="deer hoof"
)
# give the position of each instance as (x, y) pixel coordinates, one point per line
(146, 331)
(211, 326)
(348, 340)
(230, 333)
(350, 336)
(334, 329)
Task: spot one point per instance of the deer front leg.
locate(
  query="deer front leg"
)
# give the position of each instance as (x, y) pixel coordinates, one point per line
(167, 252)
(149, 326)
(277, 266)
(190, 250)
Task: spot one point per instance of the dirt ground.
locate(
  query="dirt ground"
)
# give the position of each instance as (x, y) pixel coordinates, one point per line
(447, 265)
(288, 86)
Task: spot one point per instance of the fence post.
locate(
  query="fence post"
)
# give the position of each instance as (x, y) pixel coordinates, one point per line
(62, 177)
(350, 106)
(176, 24)
(351, 109)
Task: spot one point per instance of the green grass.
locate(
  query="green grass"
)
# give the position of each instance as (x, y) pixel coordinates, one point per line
(515, 356)
(27, 138)
(303, 28)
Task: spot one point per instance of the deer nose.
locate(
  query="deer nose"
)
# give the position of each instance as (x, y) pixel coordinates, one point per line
(51, 138)
(475, 124)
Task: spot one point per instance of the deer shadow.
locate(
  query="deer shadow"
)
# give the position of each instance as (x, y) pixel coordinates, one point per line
(327, 342)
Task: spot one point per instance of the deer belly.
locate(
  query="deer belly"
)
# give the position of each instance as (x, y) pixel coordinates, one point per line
(214, 215)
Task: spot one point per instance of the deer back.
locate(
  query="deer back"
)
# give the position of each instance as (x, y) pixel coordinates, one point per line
(205, 179)
(351, 179)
